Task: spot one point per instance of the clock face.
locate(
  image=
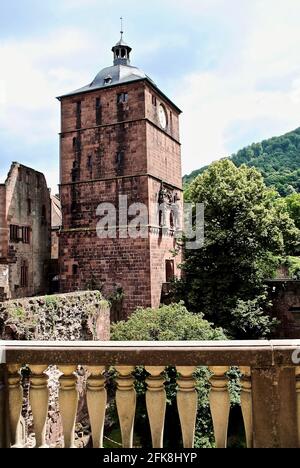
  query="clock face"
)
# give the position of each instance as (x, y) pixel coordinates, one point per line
(162, 114)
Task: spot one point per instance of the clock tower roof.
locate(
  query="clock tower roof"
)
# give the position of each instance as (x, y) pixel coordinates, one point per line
(121, 72)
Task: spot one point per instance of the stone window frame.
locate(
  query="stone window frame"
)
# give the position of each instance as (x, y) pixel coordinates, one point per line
(25, 234)
(14, 233)
(122, 98)
(24, 274)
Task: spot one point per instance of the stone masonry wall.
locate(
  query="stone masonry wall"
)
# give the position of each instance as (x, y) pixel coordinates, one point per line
(82, 316)
(24, 205)
(285, 296)
(111, 148)
(67, 317)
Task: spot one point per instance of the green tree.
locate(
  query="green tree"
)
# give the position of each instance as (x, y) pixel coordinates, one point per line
(170, 323)
(246, 224)
(293, 206)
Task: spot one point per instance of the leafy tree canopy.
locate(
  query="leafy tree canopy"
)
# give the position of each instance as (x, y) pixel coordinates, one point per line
(246, 224)
(168, 323)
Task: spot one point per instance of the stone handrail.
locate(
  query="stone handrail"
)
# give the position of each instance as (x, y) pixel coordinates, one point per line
(270, 388)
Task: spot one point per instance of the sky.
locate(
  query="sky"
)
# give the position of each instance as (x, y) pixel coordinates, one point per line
(232, 66)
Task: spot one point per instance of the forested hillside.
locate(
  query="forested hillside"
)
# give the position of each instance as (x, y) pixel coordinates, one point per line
(278, 159)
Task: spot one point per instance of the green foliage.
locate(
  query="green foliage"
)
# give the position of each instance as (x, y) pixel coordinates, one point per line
(246, 224)
(278, 160)
(293, 264)
(51, 302)
(168, 323)
(18, 313)
(249, 320)
(293, 206)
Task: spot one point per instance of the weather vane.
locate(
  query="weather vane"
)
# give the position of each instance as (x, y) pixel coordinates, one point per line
(122, 32)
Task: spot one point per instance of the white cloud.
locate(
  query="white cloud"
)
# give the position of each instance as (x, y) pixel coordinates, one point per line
(259, 87)
(255, 81)
(31, 79)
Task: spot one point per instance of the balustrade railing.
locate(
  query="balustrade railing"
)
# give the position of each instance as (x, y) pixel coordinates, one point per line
(270, 388)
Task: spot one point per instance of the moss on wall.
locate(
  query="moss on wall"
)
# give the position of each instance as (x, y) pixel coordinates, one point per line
(75, 317)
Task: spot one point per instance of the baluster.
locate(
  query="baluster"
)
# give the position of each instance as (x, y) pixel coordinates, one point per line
(298, 402)
(126, 403)
(39, 400)
(156, 401)
(246, 403)
(3, 408)
(96, 401)
(220, 404)
(68, 403)
(15, 402)
(187, 402)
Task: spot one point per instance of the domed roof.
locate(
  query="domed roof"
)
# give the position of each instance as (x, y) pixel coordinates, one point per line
(116, 75)
(110, 76)
(122, 43)
(119, 73)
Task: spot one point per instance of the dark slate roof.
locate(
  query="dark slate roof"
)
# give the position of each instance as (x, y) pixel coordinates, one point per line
(115, 75)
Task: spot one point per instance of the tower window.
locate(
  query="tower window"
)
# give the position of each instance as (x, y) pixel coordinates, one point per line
(170, 271)
(120, 161)
(75, 269)
(78, 114)
(98, 112)
(77, 144)
(123, 53)
(122, 98)
(90, 162)
(154, 101)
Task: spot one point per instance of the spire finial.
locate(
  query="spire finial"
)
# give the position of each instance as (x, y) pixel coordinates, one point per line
(122, 32)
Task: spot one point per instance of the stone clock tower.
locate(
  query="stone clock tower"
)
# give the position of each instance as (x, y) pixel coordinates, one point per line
(119, 136)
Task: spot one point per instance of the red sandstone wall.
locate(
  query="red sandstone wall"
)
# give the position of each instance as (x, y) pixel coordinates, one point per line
(90, 174)
(161, 248)
(87, 197)
(106, 265)
(152, 114)
(135, 109)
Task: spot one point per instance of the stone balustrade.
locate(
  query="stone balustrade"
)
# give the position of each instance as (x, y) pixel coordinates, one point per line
(270, 388)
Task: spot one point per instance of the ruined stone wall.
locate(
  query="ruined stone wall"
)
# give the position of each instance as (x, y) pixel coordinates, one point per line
(68, 317)
(3, 225)
(285, 296)
(27, 207)
(83, 316)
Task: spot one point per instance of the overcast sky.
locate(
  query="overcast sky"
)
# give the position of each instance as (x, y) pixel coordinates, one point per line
(233, 66)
